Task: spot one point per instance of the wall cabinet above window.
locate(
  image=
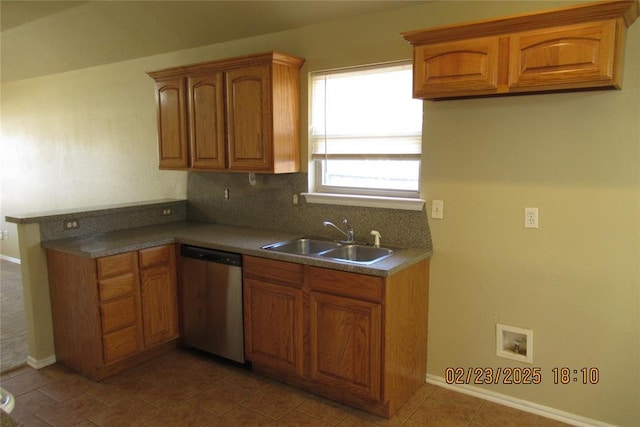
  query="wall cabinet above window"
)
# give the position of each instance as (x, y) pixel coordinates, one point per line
(575, 47)
(234, 115)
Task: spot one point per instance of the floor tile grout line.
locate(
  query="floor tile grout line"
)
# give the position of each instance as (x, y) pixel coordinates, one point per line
(476, 412)
(413, 412)
(252, 388)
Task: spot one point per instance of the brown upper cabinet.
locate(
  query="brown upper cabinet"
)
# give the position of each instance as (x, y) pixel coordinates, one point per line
(574, 47)
(235, 115)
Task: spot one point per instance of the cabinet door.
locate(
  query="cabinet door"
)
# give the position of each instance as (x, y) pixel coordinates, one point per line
(570, 57)
(120, 344)
(458, 68)
(273, 325)
(249, 119)
(345, 340)
(159, 304)
(172, 126)
(206, 121)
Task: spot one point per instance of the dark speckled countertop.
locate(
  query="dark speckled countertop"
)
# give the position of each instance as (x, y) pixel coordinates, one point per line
(246, 241)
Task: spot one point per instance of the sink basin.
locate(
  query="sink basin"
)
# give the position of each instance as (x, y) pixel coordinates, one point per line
(304, 246)
(357, 253)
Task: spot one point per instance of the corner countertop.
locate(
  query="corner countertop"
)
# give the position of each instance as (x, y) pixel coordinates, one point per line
(246, 241)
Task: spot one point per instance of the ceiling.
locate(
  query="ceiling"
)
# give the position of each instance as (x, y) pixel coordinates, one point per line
(46, 37)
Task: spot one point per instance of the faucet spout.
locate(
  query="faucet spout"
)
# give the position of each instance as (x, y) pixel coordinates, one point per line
(350, 234)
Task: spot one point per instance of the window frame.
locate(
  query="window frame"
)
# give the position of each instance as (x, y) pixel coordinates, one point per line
(358, 196)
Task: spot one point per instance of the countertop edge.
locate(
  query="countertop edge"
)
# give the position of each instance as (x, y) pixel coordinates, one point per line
(245, 241)
(38, 217)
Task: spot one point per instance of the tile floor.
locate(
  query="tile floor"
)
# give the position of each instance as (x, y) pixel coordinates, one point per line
(185, 388)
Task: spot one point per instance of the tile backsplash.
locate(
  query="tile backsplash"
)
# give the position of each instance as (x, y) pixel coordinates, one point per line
(269, 205)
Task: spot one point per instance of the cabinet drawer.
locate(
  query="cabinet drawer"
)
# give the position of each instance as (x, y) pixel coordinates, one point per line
(116, 287)
(116, 265)
(281, 272)
(120, 344)
(117, 314)
(159, 255)
(346, 284)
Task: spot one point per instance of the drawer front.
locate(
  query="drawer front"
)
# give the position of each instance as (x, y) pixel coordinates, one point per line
(342, 283)
(117, 314)
(120, 344)
(116, 265)
(285, 273)
(159, 255)
(116, 287)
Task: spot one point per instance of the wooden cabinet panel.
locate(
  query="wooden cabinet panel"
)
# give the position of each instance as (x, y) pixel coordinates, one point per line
(158, 291)
(248, 117)
(120, 344)
(172, 124)
(243, 114)
(456, 68)
(280, 272)
(97, 310)
(116, 265)
(118, 313)
(345, 337)
(353, 285)
(116, 287)
(574, 56)
(327, 330)
(206, 121)
(156, 256)
(274, 325)
(575, 47)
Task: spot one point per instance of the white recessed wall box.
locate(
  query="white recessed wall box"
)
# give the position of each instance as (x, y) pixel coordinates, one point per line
(514, 343)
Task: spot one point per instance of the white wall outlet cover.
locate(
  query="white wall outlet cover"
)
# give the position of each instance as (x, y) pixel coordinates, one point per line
(530, 217)
(437, 209)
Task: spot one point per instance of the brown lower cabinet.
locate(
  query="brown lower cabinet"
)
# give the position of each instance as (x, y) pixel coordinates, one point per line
(358, 339)
(113, 312)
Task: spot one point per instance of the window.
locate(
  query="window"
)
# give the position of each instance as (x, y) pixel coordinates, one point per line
(366, 132)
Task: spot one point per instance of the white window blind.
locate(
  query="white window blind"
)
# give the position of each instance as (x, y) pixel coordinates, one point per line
(366, 131)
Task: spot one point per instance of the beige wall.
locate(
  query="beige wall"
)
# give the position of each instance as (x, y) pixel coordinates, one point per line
(88, 137)
(78, 139)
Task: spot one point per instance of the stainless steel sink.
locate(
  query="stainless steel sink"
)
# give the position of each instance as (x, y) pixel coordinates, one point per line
(358, 253)
(304, 246)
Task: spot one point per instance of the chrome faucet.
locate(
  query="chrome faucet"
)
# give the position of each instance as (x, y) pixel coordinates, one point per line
(351, 236)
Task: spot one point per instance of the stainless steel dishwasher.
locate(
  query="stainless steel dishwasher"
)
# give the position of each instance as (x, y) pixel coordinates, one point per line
(211, 283)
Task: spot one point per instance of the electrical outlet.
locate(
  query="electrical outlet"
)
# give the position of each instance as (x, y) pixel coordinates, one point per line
(4, 235)
(437, 209)
(295, 199)
(166, 211)
(226, 194)
(530, 217)
(70, 224)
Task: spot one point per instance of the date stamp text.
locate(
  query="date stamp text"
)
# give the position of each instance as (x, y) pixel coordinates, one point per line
(518, 375)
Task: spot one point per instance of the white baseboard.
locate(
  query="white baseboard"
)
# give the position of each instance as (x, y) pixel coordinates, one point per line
(10, 259)
(41, 363)
(520, 404)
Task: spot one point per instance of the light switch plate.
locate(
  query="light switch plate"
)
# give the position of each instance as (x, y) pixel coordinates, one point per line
(437, 209)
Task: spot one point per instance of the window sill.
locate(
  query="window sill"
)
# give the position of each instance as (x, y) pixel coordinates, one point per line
(365, 201)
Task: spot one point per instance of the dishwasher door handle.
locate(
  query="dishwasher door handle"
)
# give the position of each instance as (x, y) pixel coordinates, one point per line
(211, 255)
